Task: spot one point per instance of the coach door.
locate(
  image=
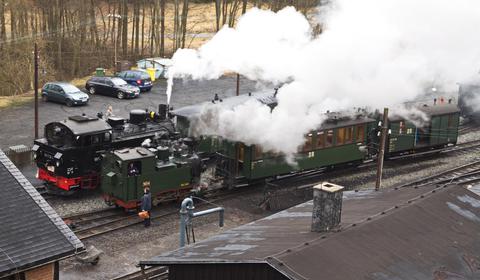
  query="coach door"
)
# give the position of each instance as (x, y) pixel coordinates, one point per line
(422, 136)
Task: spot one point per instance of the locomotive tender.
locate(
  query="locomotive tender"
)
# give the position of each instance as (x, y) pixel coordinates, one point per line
(70, 154)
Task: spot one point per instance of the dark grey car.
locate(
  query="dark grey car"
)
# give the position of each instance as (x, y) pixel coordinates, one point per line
(112, 86)
(64, 93)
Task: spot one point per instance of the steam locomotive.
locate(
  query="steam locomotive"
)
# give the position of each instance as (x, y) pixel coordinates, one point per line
(343, 139)
(70, 154)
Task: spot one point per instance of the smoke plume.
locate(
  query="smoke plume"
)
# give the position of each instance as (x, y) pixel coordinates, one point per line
(371, 53)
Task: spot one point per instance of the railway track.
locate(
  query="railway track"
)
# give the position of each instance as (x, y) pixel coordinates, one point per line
(467, 127)
(95, 223)
(151, 273)
(465, 174)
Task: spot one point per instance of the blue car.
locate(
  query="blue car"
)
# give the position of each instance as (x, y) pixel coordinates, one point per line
(137, 78)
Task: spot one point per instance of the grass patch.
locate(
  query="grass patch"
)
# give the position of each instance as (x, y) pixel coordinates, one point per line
(17, 100)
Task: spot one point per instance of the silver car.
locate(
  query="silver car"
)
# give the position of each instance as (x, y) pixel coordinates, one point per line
(65, 93)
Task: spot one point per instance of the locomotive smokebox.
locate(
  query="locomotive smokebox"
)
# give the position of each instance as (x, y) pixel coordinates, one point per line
(162, 111)
(138, 117)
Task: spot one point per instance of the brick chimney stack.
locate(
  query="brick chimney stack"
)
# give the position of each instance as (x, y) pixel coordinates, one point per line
(327, 206)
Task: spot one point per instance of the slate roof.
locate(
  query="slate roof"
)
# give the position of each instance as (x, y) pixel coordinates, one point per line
(424, 233)
(31, 232)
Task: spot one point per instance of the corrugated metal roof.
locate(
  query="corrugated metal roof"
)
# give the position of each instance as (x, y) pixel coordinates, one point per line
(424, 233)
(31, 232)
(255, 241)
(436, 237)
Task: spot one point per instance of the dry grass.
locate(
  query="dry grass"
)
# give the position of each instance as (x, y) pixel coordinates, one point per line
(17, 100)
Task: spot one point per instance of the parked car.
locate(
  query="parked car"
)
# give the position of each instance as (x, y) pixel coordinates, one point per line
(64, 93)
(112, 86)
(137, 78)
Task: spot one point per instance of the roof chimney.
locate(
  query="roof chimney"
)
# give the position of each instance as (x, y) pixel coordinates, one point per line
(327, 206)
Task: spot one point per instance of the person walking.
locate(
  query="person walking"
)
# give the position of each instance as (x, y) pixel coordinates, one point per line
(146, 202)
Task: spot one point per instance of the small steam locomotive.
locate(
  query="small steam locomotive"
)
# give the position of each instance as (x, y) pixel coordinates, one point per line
(70, 154)
(173, 167)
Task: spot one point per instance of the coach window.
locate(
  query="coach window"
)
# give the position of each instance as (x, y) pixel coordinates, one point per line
(329, 138)
(320, 139)
(401, 129)
(340, 136)
(258, 152)
(308, 145)
(241, 152)
(360, 132)
(348, 134)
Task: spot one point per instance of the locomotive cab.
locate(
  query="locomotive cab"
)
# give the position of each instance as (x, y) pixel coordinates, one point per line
(124, 172)
(69, 153)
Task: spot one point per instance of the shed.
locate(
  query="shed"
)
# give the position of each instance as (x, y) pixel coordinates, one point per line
(33, 238)
(424, 233)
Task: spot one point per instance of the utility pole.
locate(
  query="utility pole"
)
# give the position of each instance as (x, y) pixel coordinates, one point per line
(35, 53)
(381, 152)
(238, 84)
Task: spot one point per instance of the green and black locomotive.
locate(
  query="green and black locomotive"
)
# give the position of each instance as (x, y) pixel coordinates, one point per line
(343, 139)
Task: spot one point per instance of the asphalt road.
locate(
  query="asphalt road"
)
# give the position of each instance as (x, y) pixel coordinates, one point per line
(17, 127)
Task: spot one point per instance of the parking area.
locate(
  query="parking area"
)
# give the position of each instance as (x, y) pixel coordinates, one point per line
(17, 126)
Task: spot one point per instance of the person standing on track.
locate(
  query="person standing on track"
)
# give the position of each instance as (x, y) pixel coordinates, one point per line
(146, 202)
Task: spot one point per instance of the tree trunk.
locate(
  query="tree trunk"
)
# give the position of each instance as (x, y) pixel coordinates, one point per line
(184, 21)
(125, 28)
(3, 28)
(143, 26)
(162, 28)
(217, 13)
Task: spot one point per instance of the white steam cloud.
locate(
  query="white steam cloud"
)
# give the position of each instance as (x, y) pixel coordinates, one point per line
(372, 53)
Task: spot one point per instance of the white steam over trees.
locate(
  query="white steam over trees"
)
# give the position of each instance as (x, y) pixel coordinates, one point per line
(371, 53)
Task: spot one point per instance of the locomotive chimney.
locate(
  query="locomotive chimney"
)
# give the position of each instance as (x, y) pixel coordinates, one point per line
(162, 111)
(138, 117)
(327, 206)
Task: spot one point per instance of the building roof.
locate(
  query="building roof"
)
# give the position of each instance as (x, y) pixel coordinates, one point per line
(31, 232)
(392, 234)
